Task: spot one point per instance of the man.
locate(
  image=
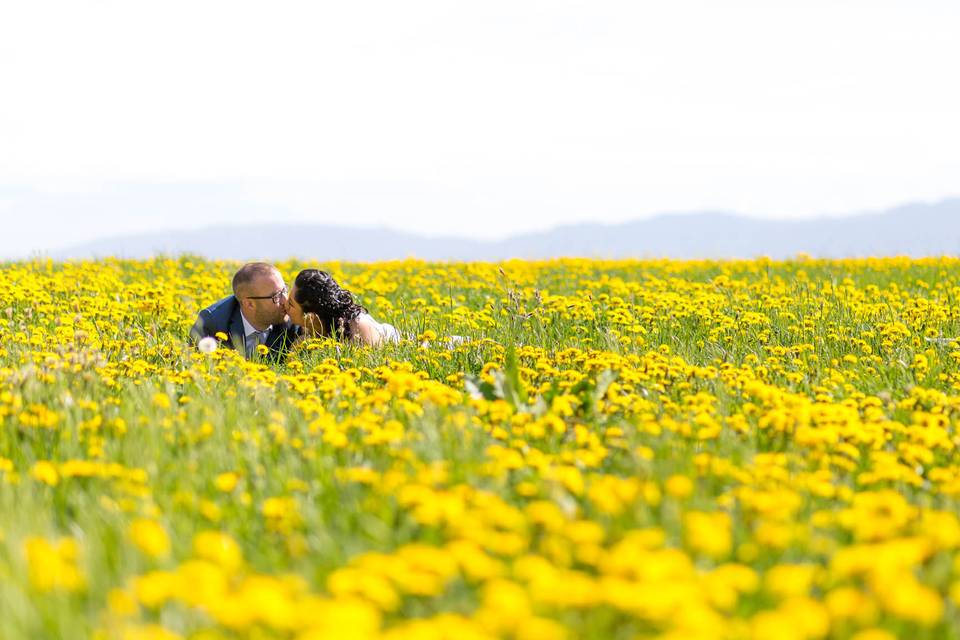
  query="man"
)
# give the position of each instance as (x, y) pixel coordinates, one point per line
(256, 313)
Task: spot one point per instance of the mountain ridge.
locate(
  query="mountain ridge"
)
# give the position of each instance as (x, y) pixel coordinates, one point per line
(915, 229)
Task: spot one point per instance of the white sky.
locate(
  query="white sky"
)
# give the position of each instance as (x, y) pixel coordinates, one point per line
(475, 118)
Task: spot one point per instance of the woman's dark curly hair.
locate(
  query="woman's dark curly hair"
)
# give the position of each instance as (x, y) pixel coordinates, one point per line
(318, 293)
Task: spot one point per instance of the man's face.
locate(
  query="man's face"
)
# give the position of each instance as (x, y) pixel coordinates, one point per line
(259, 308)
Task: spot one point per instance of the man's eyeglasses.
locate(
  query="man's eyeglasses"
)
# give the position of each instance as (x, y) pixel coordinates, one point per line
(275, 297)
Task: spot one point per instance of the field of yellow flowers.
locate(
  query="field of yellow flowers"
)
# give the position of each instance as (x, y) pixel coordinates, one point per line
(742, 449)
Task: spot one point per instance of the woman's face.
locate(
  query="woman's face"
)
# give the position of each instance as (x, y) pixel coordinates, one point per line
(294, 310)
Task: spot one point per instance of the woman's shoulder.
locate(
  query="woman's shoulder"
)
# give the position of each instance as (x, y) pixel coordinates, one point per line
(366, 329)
(364, 320)
(367, 320)
(373, 332)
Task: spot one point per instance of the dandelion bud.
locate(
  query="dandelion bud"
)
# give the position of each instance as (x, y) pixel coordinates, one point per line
(207, 345)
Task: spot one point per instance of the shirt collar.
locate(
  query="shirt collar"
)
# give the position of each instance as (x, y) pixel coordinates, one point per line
(249, 329)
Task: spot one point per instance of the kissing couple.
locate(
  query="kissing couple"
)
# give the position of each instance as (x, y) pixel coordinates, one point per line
(262, 311)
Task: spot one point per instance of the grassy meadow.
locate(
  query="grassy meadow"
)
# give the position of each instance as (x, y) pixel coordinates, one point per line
(617, 449)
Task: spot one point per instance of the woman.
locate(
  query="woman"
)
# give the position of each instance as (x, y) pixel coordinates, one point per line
(318, 304)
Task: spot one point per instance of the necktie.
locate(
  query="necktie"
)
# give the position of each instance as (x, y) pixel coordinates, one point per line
(254, 339)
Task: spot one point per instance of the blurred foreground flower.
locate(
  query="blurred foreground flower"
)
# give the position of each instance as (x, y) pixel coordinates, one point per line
(53, 565)
(150, 537)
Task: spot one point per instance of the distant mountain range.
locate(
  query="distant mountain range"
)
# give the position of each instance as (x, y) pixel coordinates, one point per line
(915, 230)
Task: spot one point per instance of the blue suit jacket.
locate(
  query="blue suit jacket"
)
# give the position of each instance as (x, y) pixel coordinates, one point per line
(224, 316)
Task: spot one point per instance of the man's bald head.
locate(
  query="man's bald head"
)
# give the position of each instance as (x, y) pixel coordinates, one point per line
(251, 274)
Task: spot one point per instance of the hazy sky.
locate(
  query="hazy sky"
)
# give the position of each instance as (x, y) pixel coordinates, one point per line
(480, 118)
